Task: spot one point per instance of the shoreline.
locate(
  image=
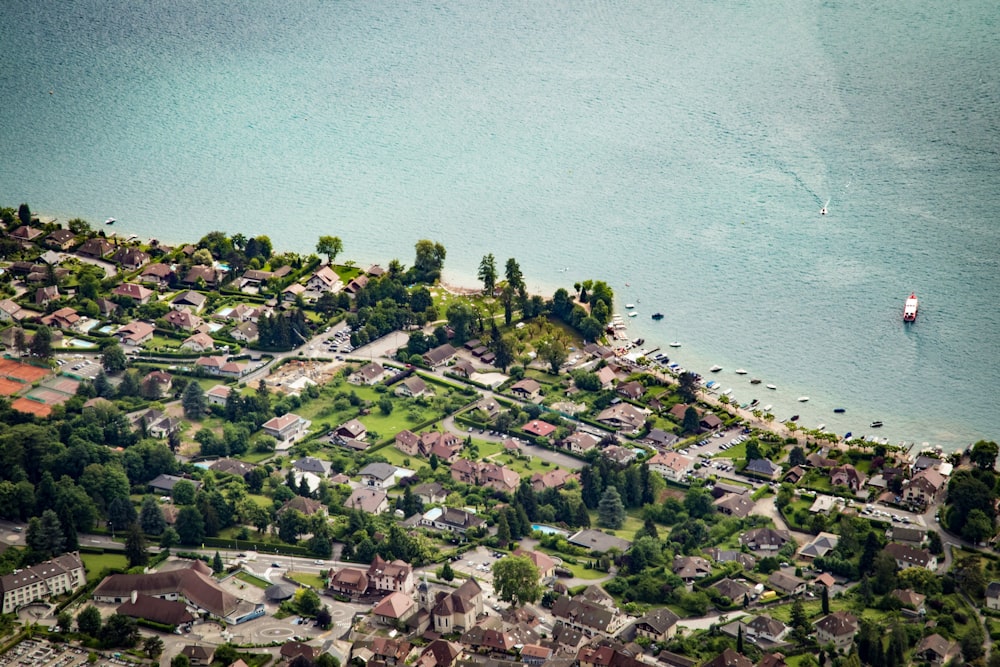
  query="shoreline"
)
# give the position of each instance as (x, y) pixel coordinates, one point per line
(453, 285)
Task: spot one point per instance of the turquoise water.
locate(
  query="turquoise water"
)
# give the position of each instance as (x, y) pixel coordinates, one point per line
(681, 151)
(548, 530)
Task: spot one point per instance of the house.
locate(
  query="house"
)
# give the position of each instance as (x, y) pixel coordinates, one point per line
(164, 484)
(52, 578)
(816, 460)
(289, 651)
(135, 333)
(157, 384)
(535, 655)
(439, 356)
(538, 428)
(911, 600)
(795, 474)
(246, 332)
(95, 248)
(773, 660)
(820, 545)
(45, 294)
(356, 285)
(199, 342)
(190, 300)
(763, 468)
(837, 628)
(454, 610)
(452, 520)
(847, 475)
(198, 655)
(160, 275)
(488, 475)
(924, 488)
(190, 581)
(689, 568)
(302, 505)
(746, 561)
(137, 293)
(660, 439)
(368, 500)
(588, 617)
(620, 455)
(351, 429)
(324, 280)
(632, 390)
(64, 318)
(599, 541)
(60, 239)
(824, 580)
(786, 584)
(130, 257)
(623, 417)
(232, 466)
(710, 422)
(551, 479)
(9, 311)
(395, 576)
(369, 374)
(439, 653)
(199, 274)
(993, 596)
(728, 658)
(546, 566)
(286, 429)
(252, 279)
(739, 505)
(659, 625)
(182, 319)
(411, 387)
(430, 493)
(580, 442)
(913, 537)
(607, 377)
(408, 442)
(390, 651)
(906, 556)
(765, 539)
(378, 475)
(394, 608)
(312, 465)
(937, 650)
(765, 627)
(734, 590)
(671, 465)
(157, 610)
(526, 389)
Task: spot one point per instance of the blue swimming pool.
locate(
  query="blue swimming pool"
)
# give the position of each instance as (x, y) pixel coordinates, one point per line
(548, 530)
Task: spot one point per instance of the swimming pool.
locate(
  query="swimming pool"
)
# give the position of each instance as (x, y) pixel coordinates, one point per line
(548, 530)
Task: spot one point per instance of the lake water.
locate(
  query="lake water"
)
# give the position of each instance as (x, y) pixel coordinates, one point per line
(681, 151)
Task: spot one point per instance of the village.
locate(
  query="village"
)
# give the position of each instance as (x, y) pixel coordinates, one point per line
(291, 460)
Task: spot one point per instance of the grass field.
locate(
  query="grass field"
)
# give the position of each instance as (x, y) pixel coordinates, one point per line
(96, 563)
(308, 578)
(737, 452)
(252, 580)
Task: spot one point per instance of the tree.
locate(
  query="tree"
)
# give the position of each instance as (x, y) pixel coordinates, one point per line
(692, 422)
(45, 537)
(169, 538)
(797, 456)
(113, 358)
(611, 510)
(385, 405)
(180, 660)
(135, 546)
(447, 573)
(89, 621)
(120, 630)
(193, 401)
(488, 274)
(429, 260)
(978, 527)
(554, 352)
(152, 646)
(151, 517)
(825, 600)
(515, 278)
(308, 601)
(687, 387)
(24, 214)
(41, 343)
(190, 526)
(183, 492)
(331, 246)
(515, 579)
(324, 618)
(217, 564)
(739, 640)
(984, 454)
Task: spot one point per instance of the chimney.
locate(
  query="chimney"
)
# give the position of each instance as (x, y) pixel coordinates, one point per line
(135, 595)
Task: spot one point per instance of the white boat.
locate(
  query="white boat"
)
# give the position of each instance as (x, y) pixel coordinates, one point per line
(110, 221)
(741, 371)
(630, 306)
(633, 314)
(821, 427)
(771, 386)
(767, 408)
(715, 369)
(675, 344)
(803, 399)
(727, 392)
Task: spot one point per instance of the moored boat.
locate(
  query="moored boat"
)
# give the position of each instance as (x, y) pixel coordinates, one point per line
(821, 427)
(910, 308)
(767, 408)
(715, 369)
(741, 371)
(876, 424)
(675, 344)
(793, 418)
(839, 411)
(657, 316)
(771, 386)
(754, 380)
(630, 306)
(803, 399)
(110, 221)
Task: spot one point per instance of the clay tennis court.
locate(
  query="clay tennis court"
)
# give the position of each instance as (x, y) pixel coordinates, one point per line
(24, 372)
(9, 387)
(32, 407)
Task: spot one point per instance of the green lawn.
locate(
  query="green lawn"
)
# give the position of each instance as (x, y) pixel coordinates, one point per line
(522, 467)
(579, 571)
(96, 563)
(308, 578)
(252, 580)
(737, 452)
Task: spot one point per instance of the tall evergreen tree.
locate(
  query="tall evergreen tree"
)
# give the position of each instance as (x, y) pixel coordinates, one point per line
(503, 530)
(611, 510)
(151, 517)
(193, 401)
(135, 546)
(825, 600)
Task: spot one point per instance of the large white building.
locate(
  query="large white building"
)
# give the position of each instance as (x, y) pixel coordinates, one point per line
(38, 582)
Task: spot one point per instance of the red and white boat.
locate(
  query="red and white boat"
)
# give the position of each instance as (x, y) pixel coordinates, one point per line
(910, 309)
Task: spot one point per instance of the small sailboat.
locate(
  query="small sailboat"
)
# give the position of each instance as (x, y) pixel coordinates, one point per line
(822, 211)
(716, 368)
(741, 371)
(771, 386)
(675, 344)
(803, 399)
(110, 221)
